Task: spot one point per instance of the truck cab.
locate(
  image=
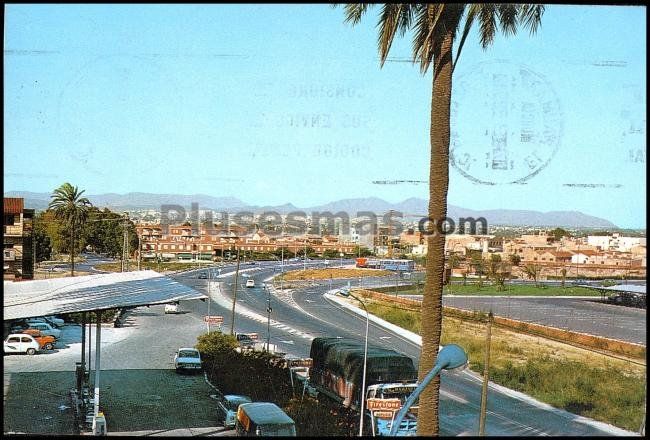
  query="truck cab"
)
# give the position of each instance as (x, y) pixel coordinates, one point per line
(383, 402)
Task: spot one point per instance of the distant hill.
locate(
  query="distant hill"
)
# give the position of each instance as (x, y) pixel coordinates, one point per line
(412, 207)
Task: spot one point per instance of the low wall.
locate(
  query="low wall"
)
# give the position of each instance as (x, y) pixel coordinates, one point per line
(570, 337)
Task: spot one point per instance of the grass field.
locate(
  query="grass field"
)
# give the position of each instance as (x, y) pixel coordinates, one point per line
(580, 381)
(510, 289)
(162, 267)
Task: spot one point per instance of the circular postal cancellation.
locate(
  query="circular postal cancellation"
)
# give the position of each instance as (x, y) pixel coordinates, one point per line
(506, 123)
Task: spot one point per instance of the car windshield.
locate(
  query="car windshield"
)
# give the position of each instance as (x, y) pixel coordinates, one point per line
(234, 402)
(188, 354)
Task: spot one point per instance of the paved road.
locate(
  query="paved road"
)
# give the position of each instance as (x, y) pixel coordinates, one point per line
(303, 314)
(138, 383)
(584, 315)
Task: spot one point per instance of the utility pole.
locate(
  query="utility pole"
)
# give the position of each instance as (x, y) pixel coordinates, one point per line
(268, 325)
(486, 376)
(125, 244)
(209, 296)
(139, 251)
(234, 297)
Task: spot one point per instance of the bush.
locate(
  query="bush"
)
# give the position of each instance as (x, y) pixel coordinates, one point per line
(263, 377)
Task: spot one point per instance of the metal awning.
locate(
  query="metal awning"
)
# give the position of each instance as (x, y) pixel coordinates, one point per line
(25, 299)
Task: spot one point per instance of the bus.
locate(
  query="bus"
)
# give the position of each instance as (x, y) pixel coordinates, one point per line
(387, 264)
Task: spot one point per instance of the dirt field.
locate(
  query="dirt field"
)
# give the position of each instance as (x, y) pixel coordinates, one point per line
(326, 274)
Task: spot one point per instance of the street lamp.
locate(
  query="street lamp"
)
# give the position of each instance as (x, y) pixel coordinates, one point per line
(450, 357)
(365, 359)
(268, 311)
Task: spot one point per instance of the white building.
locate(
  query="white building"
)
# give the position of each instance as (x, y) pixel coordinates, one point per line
(615, 242)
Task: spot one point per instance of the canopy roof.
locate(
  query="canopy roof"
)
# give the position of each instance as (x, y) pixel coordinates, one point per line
(26, 299)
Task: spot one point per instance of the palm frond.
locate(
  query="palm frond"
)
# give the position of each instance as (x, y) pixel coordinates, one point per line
(487, 18)
(531, 16)
(472, 11)
(427, 26)
(507, 13)
(393, 18)
(354, 12)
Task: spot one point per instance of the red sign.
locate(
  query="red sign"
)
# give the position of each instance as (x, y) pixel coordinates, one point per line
(213, 319)
(383, 404)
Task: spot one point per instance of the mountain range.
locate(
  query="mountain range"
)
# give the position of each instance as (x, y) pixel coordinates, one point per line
(411, 208)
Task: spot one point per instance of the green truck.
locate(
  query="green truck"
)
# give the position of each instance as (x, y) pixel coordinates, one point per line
(337, 372)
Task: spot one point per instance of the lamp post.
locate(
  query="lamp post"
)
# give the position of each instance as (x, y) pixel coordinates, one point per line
(365, 359)
(268, 323)
(450, 357)
(209, 276)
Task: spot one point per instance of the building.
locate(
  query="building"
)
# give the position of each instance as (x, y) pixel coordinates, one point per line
(17, 238)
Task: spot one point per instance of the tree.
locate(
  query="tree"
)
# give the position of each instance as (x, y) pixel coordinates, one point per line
(478, 264)
(532, 271)
(435, 26)
(558, 233)
(563, 272)
(362, 251)
(72, 209)
(497, 271)
(514, 259)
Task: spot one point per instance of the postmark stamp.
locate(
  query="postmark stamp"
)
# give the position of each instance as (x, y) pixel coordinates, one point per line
(506, 123)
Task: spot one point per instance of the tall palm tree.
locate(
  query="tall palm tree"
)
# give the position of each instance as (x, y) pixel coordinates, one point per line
(435, 27)
(70, 207)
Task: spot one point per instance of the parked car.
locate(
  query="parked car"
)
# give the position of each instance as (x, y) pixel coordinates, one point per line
(263, 419)
(187, 359)
(56, 320)
(45, 328)
(203, 276)
(46, 342)
(250, 283)
(21, 343)
(18, 326)
(246, 340)
(171, 308)
(227, 408)
(47, 321)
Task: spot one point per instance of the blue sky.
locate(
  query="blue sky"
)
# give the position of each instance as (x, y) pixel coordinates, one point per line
(285, 103)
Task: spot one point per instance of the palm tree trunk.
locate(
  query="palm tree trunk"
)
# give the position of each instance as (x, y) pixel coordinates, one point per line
(428, 423)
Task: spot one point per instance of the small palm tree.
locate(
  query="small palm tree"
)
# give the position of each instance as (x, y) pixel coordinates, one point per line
(435, 27)
(70, 207)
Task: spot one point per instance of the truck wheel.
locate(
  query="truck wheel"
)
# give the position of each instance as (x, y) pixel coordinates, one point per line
(49, 346)
(31, 351)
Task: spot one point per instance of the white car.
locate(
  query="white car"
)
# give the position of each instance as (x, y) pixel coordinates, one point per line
(187, 359)
(250, 283)
(21, 343)
(171, 308)
(45, 328)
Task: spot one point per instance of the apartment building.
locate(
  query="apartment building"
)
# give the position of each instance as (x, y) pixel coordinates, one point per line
(17, 237)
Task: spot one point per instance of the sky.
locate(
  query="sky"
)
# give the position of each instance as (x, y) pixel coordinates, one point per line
(277, 104)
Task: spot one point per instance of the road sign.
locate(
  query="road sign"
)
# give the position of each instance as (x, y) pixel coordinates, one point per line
(213, 319)
(383, 404)
(306, 362)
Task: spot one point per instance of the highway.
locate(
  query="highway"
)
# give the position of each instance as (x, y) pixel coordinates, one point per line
(302, 314)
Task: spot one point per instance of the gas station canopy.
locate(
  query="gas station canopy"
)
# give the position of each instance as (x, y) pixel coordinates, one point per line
(55, 296)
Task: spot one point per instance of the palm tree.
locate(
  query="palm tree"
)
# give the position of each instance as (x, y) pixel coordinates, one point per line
(435, 27)
(70, 207)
